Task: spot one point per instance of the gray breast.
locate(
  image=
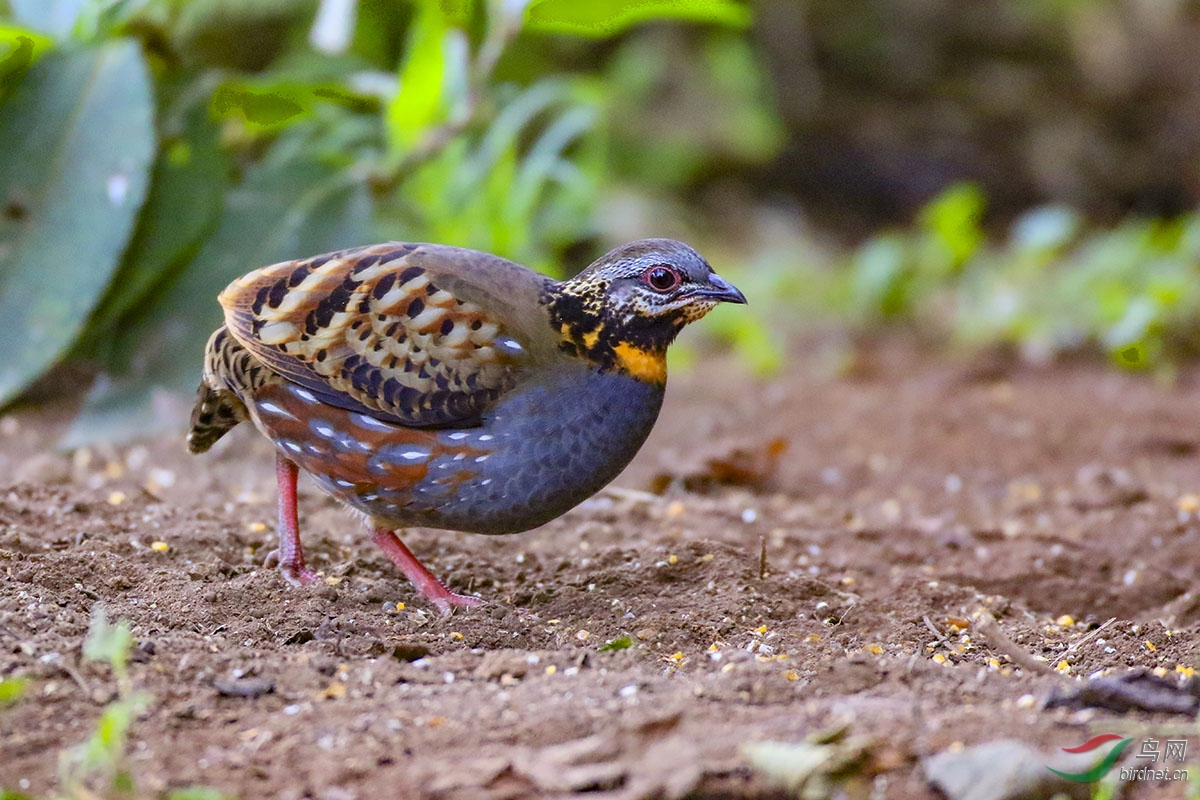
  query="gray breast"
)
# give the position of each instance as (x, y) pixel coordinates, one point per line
(542, 450)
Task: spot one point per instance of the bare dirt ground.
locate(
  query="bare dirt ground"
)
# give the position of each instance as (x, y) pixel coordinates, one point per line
(908, 501)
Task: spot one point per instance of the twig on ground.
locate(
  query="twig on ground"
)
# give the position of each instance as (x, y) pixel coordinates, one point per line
(941, 637)
(988, 627)
(1085, 639)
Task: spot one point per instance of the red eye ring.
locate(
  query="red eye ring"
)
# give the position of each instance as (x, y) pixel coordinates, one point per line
(661, 278)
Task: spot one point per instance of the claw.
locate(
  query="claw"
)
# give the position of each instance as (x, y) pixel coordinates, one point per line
(425, 581)
(295, 574)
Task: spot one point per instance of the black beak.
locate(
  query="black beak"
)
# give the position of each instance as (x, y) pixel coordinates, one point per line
(722, 290)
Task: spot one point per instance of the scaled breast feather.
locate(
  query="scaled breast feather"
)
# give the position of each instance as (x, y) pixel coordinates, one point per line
(370, 329)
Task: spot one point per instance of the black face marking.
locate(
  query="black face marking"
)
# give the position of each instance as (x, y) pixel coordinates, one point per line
(637, 296)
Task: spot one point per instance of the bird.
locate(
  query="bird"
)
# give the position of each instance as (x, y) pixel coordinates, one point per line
(426, 385)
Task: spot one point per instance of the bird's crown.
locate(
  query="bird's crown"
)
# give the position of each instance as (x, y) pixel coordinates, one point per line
(624, 310)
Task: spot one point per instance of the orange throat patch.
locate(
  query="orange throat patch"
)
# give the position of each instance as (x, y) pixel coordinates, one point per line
(645, 365)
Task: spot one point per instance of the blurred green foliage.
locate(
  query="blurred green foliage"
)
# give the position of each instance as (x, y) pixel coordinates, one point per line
(157, 149)
(1051, 287)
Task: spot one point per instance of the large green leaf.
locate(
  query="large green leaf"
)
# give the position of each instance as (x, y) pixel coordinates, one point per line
(283, 210)
(601, 18)
(183, 205)
(78, 140)
(55, 17)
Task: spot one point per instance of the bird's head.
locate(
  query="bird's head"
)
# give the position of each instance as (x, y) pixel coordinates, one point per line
(625, 309)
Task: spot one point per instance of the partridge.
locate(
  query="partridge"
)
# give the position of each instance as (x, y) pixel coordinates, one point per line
(426, 385)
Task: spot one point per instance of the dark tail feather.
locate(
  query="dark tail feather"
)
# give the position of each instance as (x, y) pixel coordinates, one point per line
(215, 413)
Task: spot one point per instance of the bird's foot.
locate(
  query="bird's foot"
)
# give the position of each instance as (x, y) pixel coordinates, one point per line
(425, 581)
(445, 600)
(294, 572)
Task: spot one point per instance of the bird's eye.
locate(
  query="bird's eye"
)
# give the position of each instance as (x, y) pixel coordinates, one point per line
(661, 278)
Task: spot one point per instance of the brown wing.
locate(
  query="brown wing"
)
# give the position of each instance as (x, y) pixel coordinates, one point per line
(406, 333)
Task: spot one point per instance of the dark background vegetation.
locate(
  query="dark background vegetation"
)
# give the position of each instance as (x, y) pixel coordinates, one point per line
(1014, 175)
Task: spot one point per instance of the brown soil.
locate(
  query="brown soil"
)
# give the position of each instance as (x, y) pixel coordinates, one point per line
(912, 496)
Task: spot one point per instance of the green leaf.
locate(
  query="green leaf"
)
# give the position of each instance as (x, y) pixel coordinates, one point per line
(79, 140)
(603, 18)
(108, 643)
(619, 643)
(12, 690)
(102, 754)
(263, 110)
(19, 48)
(1048, 228)
(953, 218)
(55, 17)
(286, 208)
(183, 205)
(431, 79)
(881, 275)
(197, 793)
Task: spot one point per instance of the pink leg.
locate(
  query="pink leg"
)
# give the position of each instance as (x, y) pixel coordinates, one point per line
(290, 555)
(427, 584)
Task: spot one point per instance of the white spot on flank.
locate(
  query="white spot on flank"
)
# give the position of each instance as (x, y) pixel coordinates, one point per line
(485, 481)
(459, 435)
(324, 430)
(414, 455)
(459, 457)
(508, 345)
(295, 448)
(480, 459)
(487, 437)
(362, 420)
(305, 394)
(272, 408)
